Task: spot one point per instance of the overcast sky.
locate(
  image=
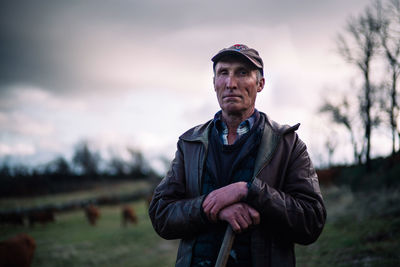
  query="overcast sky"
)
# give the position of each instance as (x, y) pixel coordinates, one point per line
(139, 73)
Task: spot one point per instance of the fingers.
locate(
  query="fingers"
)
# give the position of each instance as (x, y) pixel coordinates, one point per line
(240, 223)
(213, 213)
(222, 197)
(255, 216)
(244, 221)
(211, 207)
(240, 216)
(235, 226)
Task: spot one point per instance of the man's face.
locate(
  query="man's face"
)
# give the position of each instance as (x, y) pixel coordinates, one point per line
(236, 86)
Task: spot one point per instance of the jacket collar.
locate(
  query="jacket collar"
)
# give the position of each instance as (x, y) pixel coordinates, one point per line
(271, 136)
(198, 133)
(269, 142)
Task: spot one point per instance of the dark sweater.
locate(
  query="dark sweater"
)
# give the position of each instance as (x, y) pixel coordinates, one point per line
(227, 164)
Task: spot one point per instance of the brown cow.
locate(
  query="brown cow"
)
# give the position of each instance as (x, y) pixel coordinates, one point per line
(17, 251)
(92, 214)
(128, 215)
(41, 216)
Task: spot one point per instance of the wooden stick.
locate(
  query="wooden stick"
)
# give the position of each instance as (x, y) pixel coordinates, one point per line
(226, 246)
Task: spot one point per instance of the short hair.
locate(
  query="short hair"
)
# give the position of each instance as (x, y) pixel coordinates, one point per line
(259, 76)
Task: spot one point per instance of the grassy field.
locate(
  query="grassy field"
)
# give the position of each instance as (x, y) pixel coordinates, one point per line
(362, 229)
(71, 241)
(103, 189)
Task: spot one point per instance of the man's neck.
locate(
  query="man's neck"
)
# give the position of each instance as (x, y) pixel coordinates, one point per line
(232, 121)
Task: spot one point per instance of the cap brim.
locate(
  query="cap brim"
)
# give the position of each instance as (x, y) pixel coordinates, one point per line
(221, 54)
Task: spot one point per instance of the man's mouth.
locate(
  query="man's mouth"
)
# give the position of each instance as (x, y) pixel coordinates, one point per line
(231, 96)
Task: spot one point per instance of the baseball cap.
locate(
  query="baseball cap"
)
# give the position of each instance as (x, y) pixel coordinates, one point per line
(243, 50)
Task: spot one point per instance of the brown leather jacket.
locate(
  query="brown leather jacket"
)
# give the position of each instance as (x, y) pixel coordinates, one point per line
(285, 191)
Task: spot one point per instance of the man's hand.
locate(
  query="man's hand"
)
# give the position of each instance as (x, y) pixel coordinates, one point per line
(240, 216)
(223, 197)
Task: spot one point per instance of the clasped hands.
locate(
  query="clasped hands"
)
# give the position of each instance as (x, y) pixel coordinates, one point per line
(225, 204)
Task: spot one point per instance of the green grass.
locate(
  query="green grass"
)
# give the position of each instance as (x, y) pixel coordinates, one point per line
(362, 229)
(71, 241)
(105, 189)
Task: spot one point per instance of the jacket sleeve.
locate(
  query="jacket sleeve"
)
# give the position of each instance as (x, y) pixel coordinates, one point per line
(172, 213)
(295, 211)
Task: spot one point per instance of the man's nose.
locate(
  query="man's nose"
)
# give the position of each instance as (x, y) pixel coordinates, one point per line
(231, 82)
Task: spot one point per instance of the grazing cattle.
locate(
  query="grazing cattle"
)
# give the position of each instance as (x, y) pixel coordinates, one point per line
(17, 251)
(92, 214)
(41, 216)
(12, 218)
(128, 215)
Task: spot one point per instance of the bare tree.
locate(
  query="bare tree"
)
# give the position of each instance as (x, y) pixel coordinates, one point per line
(330, 144)
(340, 114)
(358, 47)
(388, 17)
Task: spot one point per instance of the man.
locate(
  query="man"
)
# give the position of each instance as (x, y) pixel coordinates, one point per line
(242, 169)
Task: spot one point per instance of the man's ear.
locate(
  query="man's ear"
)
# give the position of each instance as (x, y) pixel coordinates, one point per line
(214, 82)
(261, 84)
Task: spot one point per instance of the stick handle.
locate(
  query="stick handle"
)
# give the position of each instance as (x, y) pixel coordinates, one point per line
(226, 246)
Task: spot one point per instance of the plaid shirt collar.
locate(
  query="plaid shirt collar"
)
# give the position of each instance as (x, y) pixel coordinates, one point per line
(243, 128)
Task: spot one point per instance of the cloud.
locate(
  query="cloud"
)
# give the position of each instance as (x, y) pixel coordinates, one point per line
(140, 71)
(81, 46)
(19, 149)
(36, 121)
(17, 123)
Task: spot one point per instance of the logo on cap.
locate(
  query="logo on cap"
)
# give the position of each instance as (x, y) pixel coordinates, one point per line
(239, 47)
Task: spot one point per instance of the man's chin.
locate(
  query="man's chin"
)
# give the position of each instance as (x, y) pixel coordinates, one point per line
(233, 111)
